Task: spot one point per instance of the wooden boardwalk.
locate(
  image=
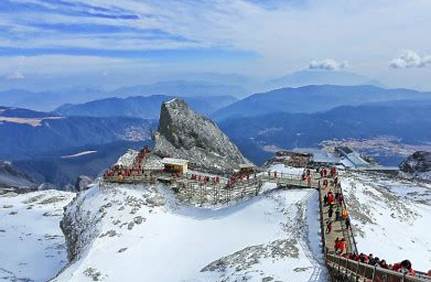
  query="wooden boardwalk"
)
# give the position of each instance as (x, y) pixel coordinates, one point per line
(339, 228)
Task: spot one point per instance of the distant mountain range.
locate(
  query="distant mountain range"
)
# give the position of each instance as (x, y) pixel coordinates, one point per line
(321, 77)
(410, 122)
(26, 133)
(78, 139)
(314, 98)
(142, 107)
(181, 88)
(63, 167)
(49, 100)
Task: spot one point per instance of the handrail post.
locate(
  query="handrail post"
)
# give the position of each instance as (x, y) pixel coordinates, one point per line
(356, 273)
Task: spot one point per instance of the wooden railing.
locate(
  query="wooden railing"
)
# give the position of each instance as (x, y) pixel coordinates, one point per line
(343, 269)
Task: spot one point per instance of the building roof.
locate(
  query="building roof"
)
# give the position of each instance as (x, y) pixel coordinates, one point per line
(246, 166)
(173, 161)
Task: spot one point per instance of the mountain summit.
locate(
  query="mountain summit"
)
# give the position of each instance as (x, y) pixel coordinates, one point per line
(185, 134)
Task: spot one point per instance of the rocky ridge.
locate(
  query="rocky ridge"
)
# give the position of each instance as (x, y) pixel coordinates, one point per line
(418, 164)
(182, 133)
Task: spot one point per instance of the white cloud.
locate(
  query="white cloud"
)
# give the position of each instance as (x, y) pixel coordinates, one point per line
(284, 36)
(410, 59)
(327, 64)
(16, 75)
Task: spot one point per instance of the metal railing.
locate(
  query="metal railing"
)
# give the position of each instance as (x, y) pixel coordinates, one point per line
(344, 269)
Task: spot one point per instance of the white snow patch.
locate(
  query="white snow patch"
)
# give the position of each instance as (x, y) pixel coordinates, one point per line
(31, 243)
(80, 154)
(175, 242)
(128, 158)
(400, 214)
(281, 168)
(29, 121)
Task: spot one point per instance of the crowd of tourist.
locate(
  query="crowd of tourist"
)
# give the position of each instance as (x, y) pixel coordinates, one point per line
(334, 200)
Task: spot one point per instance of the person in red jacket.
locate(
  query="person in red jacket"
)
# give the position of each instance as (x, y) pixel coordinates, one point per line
(404, 267)
(336, 244)
(342, 246)
(330, 198)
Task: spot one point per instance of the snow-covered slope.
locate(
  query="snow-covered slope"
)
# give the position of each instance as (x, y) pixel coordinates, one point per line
(391, 217)
(140, 233)
(32, 246)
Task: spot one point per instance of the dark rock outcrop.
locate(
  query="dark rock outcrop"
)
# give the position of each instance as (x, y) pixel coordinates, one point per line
(418, 162)
(82, 182)
(10, 176)
(185, 134)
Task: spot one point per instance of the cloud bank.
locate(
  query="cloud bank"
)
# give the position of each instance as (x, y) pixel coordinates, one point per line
(252, 37)
(16, 75)
(327, 64)
(410, 59)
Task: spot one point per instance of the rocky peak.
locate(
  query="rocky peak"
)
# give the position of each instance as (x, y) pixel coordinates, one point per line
(418, 162)
(10, 176)
(182, 133)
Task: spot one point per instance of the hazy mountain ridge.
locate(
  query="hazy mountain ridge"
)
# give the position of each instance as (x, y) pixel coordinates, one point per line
(143, 107)
(314, 98)
(51, 99)
(25, 137)
(321, 77)
(289, 130)
(62, 168)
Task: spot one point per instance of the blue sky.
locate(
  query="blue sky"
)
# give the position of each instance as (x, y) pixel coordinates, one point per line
(385, 40)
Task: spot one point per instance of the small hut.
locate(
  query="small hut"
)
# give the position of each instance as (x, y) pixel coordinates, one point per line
(175, 165)
(246, 168)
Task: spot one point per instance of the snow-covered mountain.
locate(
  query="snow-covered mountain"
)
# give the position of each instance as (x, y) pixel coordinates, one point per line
(32, 246)
(391, 217)
(122, 232)
(143, 233)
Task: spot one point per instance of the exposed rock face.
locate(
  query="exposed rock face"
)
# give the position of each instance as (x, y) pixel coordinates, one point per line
(419, 165)
(10, 176)
(185, 134)
(80, 228)
(82, 182)
(418, 162)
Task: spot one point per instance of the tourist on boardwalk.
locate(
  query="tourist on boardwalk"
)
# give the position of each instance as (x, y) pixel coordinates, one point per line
(341, 246)
(404, 267)
(383, 264)
(333, 171)
(330, 212)
(347, 222)
(344, 214)
(338, 214)
(330, 198)
(329, 226)
(340, 198)
(336, 243)
(325, 183)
